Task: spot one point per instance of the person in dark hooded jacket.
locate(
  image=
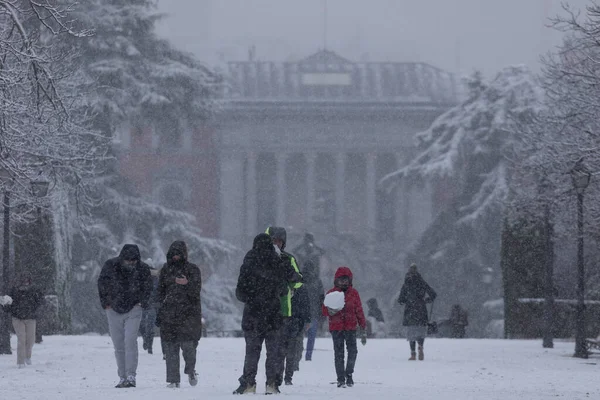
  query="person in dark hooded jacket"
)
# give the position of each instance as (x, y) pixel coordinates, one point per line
(180, 313)
(124, 286)
(263, 280)
(414, 295)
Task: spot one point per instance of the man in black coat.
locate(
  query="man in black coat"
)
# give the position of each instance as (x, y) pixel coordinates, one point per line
(263, 279)
(180, 312)
(124, 286)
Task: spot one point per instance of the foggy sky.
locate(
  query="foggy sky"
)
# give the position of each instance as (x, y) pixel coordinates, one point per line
(456, 35)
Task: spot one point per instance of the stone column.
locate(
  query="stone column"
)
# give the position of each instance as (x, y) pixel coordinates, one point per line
(232, 197)
(281, 192)
(340, 183)
(251, 195)
(311, 160)
(371, 194)
(403, 216)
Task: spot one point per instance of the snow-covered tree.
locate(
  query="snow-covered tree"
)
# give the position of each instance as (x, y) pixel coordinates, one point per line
(141, 80)
(467, 150)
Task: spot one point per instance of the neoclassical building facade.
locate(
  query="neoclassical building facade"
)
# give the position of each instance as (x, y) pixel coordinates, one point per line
(304, 145)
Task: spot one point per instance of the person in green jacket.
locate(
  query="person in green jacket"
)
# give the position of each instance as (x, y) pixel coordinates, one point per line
(279, 237)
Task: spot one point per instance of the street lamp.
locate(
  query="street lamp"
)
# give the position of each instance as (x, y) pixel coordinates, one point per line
(580, 175)
(6, 179)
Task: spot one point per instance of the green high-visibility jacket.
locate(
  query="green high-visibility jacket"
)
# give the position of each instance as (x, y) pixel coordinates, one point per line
(286, 301)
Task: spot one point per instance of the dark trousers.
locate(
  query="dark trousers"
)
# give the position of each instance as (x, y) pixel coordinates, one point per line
(254, 340)
(188, 349)
(147, 328)
(291, 357)
(339, 338)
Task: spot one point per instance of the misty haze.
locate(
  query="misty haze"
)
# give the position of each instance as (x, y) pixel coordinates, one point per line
(316, 198)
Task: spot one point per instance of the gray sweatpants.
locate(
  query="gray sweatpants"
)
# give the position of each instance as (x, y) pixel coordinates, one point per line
(123, 330)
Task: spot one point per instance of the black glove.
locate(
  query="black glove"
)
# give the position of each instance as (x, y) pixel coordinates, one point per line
(363, 339)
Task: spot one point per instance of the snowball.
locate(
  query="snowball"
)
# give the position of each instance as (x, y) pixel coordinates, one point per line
(335, 300)
(5, 300)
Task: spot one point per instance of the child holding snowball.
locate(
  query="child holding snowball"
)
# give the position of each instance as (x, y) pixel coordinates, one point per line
(343, 306)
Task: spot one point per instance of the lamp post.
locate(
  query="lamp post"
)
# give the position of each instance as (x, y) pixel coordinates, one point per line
(6, 179)
(580, 175)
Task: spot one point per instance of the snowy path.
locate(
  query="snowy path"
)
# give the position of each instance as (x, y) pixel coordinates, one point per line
(83, 367)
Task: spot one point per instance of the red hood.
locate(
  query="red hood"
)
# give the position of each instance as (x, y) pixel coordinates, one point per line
(343, 271)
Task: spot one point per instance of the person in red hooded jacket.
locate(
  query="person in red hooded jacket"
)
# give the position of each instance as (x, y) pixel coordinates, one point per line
(343, 325)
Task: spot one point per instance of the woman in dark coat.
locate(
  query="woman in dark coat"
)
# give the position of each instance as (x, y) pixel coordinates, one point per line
(415, 293)
(180, 313)
(26, 299)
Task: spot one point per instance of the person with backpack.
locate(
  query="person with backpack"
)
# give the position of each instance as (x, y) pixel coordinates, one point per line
(343, 324)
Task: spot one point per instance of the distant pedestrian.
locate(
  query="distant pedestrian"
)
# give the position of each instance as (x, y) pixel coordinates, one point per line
(299, 320)
(343, 324)
(375, 320)
(414, 295)
(459, 320)
(26, 300)
(124, 287)
(316, 294)
(180, 313)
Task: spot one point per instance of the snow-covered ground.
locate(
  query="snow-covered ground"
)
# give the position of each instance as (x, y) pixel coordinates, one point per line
(83, 367)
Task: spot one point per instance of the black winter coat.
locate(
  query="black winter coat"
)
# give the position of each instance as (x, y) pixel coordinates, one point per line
(301, 312)
(25, 302)
(263, 279)
(122, 289)
(180, 312)
(315, 289)
(412, 295)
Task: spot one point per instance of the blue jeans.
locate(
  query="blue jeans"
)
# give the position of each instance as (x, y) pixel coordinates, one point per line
(312, 335)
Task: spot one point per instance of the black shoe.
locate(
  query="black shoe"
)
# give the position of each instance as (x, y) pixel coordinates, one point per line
(193, 378)
(349, 381)
(245, 389)
(145, 346)
(149, 350)
(288, 382)
(341, 384)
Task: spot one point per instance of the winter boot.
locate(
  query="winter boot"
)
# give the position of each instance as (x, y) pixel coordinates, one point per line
(173, 385)
(28, 361)
(421, 354)
(245, 389)
(341, 384)
(193, 378)
(130, 381)
(122, 383)
(349, 381)
(272, 389)
(413, 356)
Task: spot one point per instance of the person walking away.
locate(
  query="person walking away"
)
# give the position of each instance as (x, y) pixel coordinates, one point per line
(279, 237)
(124, 286)
(375, 320)
(180, 313)
(263, 280)
(316, 295)
(26, 299)
(343, 324)
(459, 320)
(149, 315)
(297, 326)
(414, 295)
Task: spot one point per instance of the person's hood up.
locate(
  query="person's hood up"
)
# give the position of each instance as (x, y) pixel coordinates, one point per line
(130, 252)
(343, 271)
(277, 232)
(372, 303)
(177, 248)
(262, 241)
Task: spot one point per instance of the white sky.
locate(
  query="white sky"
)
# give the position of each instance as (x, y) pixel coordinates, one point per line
(456, 35)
